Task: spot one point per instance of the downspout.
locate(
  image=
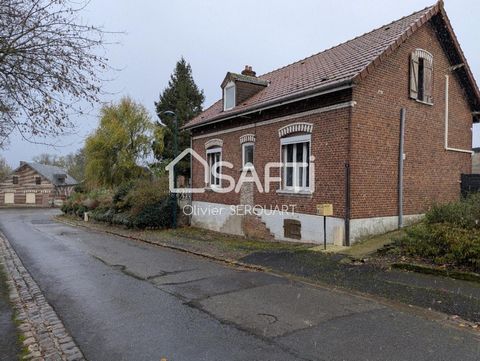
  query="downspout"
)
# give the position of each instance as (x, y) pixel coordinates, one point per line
(348, 181)
(191, 179)
(400, 167)
(447, 79)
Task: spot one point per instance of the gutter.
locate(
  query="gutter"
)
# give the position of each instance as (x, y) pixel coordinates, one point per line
(330, 88)
(447, 80)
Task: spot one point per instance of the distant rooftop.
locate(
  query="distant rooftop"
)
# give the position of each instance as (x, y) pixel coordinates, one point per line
(52, 173)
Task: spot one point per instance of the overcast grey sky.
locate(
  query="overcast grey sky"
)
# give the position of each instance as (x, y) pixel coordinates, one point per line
(217, 36)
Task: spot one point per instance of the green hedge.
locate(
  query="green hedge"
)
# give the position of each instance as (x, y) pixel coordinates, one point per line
(449, 236)
(140, 204)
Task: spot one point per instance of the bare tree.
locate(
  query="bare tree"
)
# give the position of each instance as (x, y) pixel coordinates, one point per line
(49, 66)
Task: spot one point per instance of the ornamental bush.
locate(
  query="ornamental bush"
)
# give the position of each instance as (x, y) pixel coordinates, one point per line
(449, 235)
(135, 204)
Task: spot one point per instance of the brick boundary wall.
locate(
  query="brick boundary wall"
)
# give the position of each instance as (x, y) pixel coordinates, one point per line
(45, 336)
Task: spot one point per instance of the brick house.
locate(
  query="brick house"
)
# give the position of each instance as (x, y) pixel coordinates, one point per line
(387, 117)
(35, 185)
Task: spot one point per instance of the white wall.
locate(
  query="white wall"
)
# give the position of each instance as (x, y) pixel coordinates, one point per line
(215, 217)
(312, 227)
(218, 217)
(365, 227)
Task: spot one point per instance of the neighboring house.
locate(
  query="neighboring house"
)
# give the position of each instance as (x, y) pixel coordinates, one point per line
(36, 185)
(476, 161)
(343, 106)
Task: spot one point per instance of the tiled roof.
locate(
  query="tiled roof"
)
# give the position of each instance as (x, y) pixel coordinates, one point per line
(50, 172)
(338, 65)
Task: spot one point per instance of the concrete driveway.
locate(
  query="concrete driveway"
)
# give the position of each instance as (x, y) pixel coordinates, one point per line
(124, 300)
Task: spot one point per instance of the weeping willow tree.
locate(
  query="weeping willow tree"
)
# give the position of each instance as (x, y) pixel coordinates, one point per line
(121, 143)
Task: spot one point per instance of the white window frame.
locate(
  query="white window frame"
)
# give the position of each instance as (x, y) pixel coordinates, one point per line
(229, 86)
(283, 156)
(251, 165)
(214, 150)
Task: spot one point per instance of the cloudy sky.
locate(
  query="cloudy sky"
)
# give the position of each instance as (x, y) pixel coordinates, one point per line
(217, 36)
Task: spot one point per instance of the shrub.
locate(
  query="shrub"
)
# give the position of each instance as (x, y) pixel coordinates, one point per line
(464, 213)
(449, 236)
(120, 194)
(142, 204)
(80, 188)
(103, 215)
(122, 219)
(155, 215)
(443, 244)
(80, 210)
(146, 193)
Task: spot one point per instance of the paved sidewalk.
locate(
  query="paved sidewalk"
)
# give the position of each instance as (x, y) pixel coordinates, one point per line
(45, 337)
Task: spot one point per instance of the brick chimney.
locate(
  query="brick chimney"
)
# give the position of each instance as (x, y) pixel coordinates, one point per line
(248, 71)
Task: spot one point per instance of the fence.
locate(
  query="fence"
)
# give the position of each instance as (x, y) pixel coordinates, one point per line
(470, 184)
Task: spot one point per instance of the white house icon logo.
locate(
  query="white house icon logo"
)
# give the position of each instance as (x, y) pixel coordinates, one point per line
(171, 173)
(248, 175)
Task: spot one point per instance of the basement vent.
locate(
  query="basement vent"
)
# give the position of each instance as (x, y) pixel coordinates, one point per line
(292, 228)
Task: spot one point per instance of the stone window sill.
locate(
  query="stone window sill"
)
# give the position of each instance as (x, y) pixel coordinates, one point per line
(423, 102)
(302, 193)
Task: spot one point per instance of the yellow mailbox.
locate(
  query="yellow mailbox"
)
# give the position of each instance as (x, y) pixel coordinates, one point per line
(325, 209)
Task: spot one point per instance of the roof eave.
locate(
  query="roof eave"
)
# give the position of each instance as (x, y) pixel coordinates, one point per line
(329, 88)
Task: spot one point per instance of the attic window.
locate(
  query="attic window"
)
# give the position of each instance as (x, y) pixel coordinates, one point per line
(229, 96)
(38, 180)
(421, 76)
(15, 179)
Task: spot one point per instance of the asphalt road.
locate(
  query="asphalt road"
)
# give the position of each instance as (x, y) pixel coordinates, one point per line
(123, 300)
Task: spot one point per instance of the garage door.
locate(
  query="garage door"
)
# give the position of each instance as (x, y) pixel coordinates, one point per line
(9, 198)
(30, 198)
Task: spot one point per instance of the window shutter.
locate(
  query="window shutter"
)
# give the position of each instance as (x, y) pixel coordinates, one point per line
(428, 80)
(414, 77)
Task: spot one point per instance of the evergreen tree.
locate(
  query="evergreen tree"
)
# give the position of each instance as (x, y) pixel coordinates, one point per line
(183, 97)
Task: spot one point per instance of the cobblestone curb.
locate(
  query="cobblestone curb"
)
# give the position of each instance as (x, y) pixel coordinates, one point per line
(45, 336)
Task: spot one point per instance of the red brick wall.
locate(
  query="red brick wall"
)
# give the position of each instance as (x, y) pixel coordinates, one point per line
(432, 174)
(329, 146)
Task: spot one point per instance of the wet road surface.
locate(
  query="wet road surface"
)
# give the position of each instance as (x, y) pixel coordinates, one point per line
(124, 300)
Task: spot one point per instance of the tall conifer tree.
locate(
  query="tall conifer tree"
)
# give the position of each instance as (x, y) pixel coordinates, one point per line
(183, 97)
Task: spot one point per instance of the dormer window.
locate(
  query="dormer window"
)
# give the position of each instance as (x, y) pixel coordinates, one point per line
(229, 96)
(239, 88)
